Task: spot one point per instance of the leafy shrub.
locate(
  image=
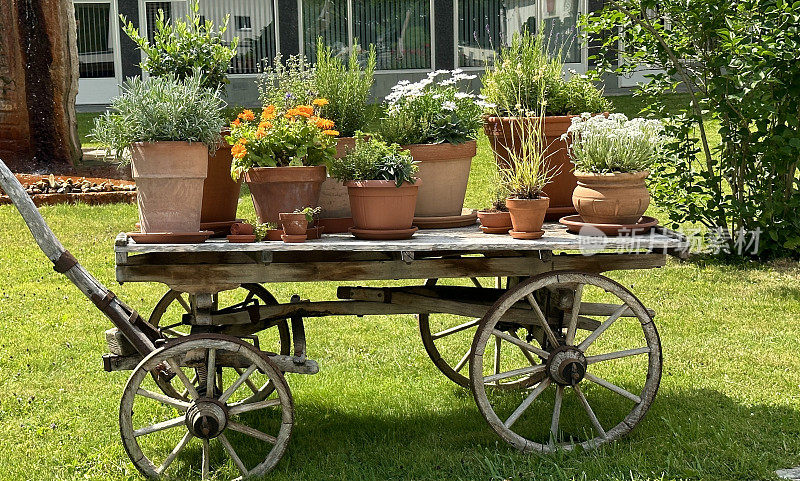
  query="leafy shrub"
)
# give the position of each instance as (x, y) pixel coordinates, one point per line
(737, 59)
(346, 86)
(161, 108)
(525, 78)
(289, 83)
(279, 138)
(431, 112)
(614, 144)
(186, 46)
(374, 159)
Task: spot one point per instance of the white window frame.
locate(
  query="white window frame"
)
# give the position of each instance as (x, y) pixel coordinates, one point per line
(350, 36)
(143, 31)
(582, 67)
(114, 30)
(637, 77)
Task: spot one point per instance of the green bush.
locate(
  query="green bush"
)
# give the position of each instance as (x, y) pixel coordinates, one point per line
(346, 87)
(525, 78)
(737, 59)
(183, 47)
(374, 159)
(161, 108)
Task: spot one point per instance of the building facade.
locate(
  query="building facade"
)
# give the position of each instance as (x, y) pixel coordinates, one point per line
(411, 37)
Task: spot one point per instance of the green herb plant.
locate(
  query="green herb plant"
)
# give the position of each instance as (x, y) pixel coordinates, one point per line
(374, 159)
(603, 144)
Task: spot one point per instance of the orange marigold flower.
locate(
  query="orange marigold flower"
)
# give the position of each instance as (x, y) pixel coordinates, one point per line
(332, 133)
(268, 112)
(238, 151)
(265, 124)
(236, 122)
(247, 115)
(324, 123)
(261, 133)
(320, 102)
(305, 110)
(242, 141)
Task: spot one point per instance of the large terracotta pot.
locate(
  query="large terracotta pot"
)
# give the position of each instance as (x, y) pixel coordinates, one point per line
(503, 134)
(169, 179)
(614, 198)
(381, 205)
(527, 215)
(283, 189)
(444, 170)
(220, 192)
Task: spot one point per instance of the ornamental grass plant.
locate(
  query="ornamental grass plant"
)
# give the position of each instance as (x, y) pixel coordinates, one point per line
(603, 144)
(277, 137)
(528, 170)
(346, 85)
(161, 109)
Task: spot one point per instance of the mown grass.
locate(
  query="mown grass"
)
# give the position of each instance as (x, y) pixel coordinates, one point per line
(728, 407)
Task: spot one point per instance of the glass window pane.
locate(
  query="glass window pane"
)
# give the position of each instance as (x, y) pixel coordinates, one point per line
(400, 30)
(560, 26)
(326, 19)
(95, 45)
(253, 21)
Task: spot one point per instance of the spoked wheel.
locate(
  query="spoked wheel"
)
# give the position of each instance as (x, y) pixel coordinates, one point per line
(167, 435)
(276, 338)
(448, 341)
(602, 364)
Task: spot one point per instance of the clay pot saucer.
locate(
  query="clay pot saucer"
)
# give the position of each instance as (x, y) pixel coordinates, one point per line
(374, 234)
(526, 235)
(220, 229)
(242, 238)
(293, 239)
(576, 225)
(467, 217)
(495, 230)
(336, 225)
(170, 237)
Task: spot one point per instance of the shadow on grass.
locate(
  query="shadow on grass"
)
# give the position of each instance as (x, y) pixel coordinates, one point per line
(687, 434)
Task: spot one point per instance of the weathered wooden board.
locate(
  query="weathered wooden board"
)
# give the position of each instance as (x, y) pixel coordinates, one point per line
(465, 239)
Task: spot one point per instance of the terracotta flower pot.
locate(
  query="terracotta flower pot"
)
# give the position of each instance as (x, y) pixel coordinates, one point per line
(169, 178)
(527, 215)
(381, 205)
(283, 189)
(293, 223)
(220, 192)
(444, 171)
(614, 198)
(503, 134)
(494, 219)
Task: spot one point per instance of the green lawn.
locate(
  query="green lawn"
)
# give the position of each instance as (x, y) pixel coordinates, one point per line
(728, 407)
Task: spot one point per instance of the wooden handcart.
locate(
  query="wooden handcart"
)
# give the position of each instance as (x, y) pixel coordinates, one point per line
(530, 327)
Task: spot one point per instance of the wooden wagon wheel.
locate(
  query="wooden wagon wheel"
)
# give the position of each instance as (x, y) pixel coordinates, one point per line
(167, 316)
(448, 342)
(619, 356)
(156, 428)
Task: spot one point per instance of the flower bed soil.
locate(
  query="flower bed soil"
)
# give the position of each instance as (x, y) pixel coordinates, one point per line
(62, 189)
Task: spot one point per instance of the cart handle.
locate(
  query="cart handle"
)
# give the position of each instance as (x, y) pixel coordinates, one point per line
(141, 334)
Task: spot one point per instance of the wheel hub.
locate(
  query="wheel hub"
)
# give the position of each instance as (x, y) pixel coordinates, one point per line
(206, 418)
(566, 365)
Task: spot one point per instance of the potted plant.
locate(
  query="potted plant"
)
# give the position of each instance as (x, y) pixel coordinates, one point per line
(168, 127)
(524, 81)
(295, 226)
(382, 187)
(438, 124)
(282, 154)
(612, 159)
(268, 231)
(496, 219)
(524, 178)
(184, 47)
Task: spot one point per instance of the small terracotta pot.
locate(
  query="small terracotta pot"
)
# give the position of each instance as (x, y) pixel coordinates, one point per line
(283, 189)
(220, 192)
(494, 219)
(444, 171)
(615, 198)
(169, 179)
(241, 228)
(527, 215)
(274, 235)
(294, 224)
(381, 205)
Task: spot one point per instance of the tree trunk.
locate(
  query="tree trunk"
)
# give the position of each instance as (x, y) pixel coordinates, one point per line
(38, 85)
